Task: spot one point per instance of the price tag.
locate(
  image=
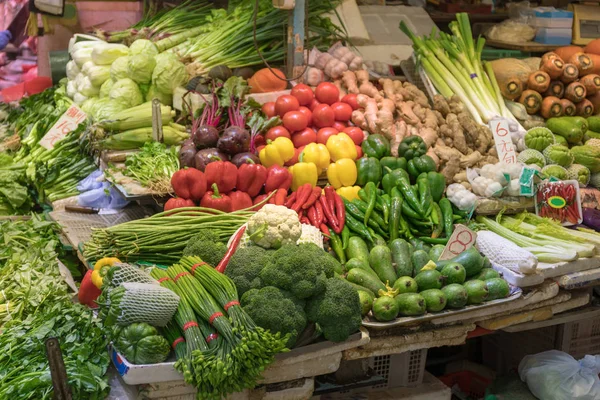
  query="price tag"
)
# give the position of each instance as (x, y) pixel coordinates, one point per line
(504, 145)
(526, 181)
(66, 124)
(462, 239)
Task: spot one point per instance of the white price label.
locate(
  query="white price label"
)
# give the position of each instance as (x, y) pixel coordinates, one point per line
(462, 239)
(504, 145)
(66, 124)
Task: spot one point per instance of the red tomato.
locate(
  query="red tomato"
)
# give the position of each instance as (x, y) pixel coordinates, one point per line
(342, 111)
(285, 104)
(325, 133)
(260, 140)
(323, 116)
(277, 131)
(355, 133)
(359, 152)
(350, 99)
(327, 92)
(269, 109)
(313, 104)
(295, 121)
(303, 93)
(340, 126)
(294, 160)
(307, 113)
(304, 137)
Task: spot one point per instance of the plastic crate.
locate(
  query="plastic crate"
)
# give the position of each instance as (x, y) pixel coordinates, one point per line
(405, 369)
(468, 382)
(580, 338)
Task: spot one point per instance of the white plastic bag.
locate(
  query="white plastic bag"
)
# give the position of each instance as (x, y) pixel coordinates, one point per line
(555, 375)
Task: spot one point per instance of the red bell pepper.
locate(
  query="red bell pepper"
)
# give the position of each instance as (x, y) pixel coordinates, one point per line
(223, 173)
(216, 200)
(277, 178)
(88, 292)
(189, 184)
(257, 200)
(250, 178)
(240, 200)
(178, 202)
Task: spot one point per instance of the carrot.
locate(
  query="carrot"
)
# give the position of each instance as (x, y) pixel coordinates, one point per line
(595, 99)
(532, 101)
(556, 88)
(575, 92)
(591, 83)
(538, 81)
(592, 47)
(549, 56)
(568, 107)
(596, 61)
(585, 108)
(566, 52)
(512, 88)
(570, 74)
(554, 67)
(551, 107)
(583, 62)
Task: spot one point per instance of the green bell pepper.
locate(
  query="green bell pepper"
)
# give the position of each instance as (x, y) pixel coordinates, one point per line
(411, 147)
(390, 180)
(392, 163)
(420, 164)
(437, 183)
(376, 146)
(368, 170)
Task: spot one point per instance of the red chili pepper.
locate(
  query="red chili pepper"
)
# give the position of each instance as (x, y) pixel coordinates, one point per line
(223, 173)
(305, 220)
(303, 192)
(240, 200)
(232, 248)
(325, 230)
(251, 177)
(312, 198)
(290, 200)
(189, 184)
(328, 212)
(312, 217)
(280, 197)
(319, 211)
(340, 211)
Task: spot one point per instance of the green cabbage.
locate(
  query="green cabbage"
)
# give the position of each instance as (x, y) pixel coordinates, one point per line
(165, 99)
(107, 53)
(118, 69)
(105, 88)
(98, 74)
(143, 46)
(141, 343)
(168, 74)
(88, 105)
(140, 67)
(127, 92)
(106, 108)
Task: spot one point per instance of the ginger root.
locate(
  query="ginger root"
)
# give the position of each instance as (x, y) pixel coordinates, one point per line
(385, 118)
(441, 105)
(434, 157)
(470, 160)
(389, 90)
(455, 132)
(365, 86)
(349, 80)
(406, 113)
(338, 84)
(415, 94)
(367, 119)
(450, 169)
(400, 132)
(430, 120)
(428, 135)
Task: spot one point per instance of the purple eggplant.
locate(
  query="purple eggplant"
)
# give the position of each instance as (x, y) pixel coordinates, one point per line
(205, 136)
(591, 218)
(186, 155)
(206, 156)
(242, 158)
(234, 140)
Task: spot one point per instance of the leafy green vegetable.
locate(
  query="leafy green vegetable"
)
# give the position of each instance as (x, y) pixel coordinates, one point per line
(153, 166)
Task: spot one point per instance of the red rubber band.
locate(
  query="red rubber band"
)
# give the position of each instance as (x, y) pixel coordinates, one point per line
(211, 337)
(189, 325)
(180, 275)
(196, 266)
(231, 304)
(164, 278)
(215, 316)
(177, 341)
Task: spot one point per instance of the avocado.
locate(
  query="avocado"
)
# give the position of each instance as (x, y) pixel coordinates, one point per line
(456, 295)
(477, 291)
(436, 251)
(366, 302)
(419, 259)
(454, 273)
(430, 279)
(435, 299)
(406, 284)
(487, 273)
(411, 304)
(385, 308)
(497, 288)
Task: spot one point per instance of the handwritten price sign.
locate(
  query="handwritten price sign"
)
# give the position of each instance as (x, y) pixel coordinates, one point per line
(66, 124)
(504, 144)
(462, 239)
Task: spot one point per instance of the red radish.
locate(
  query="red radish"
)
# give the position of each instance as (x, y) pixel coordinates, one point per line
(269, 109)
(325, 133)
(260, 140)
(307, 113)
(342, 111)
(304, 137)
(340, 126)
(303, 93)
(359, 152)
(355, 133)
(294, 160)
(295, 121)
(286, 103)
(323, 116)
(327, 92)
(277, 131)
(313, 104)
(350, 99)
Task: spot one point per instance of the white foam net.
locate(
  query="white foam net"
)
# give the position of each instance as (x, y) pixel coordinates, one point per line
(130, 273)
(148, 303)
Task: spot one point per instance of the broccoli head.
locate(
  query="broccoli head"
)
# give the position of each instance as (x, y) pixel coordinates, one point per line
(336, 310)
(245, 265)
(276, 310)
(297, 269)
(206, 245)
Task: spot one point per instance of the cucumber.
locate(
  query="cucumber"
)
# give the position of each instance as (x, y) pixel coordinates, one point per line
(401, 257)
(362, 264)
(361, 277)
(436, 251)
(419, 259)
(470, 259)
(571, 128)
(594, 123)
(591, 135)
(356, 286)
(357, 248)
(380, 259)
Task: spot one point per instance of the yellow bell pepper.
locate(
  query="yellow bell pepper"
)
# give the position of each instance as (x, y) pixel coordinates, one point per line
(341, 146)
(342, 173)
(279, 151)
(303, 172)
(317, 154)
(349, 192)
(100, 269)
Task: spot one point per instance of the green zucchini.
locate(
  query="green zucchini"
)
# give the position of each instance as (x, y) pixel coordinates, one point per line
(357, 248)
(361, 277)
(571, 128)
(401, 257)
(380, 259)
(362, 264)
(419, 259)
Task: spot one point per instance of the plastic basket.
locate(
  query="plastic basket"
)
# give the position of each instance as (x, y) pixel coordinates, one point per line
(469, 383)
(399, 370)
(580, 338)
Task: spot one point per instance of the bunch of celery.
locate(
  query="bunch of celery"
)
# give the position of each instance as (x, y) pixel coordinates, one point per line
(453, 63)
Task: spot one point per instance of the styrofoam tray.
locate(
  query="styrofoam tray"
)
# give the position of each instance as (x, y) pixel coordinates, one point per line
(546, 270)
(578, 280)
(518, 279)
(134, 374)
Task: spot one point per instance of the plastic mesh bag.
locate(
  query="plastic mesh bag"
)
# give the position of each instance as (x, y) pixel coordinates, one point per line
(554, 375)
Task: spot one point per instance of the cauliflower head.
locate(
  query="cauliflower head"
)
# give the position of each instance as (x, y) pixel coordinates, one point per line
(273, 226)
